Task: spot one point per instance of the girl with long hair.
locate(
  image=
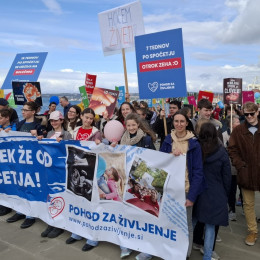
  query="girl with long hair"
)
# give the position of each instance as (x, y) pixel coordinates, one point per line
(211, 207)
(137, 133)
(72, 119)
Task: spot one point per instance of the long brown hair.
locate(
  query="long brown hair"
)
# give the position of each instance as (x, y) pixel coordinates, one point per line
(208, 139)
(142, 125)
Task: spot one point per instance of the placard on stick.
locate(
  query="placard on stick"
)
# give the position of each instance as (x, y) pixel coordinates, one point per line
(27, 91)
(104, 100)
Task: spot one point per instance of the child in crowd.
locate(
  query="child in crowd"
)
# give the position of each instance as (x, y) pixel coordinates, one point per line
(5, 124)
(72, 119)
(137, 134)
(58, 133)
(32, 125)
(86, 132)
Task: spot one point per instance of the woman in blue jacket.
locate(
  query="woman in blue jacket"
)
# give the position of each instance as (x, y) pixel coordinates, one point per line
(183, 141)
(211, 207)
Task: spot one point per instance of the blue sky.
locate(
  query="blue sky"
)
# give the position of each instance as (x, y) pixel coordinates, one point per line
(221, 39)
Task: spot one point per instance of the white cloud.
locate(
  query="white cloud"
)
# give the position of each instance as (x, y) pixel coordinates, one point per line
(53, 6)
(245, 28)
(67, 70)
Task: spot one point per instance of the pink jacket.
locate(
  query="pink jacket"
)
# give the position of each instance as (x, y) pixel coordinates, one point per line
(114, 192)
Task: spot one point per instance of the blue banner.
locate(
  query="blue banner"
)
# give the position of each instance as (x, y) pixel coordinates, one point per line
(25, 67)
(121, 96)
(160, 65)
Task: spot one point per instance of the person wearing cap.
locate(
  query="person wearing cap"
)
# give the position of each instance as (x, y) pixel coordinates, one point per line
(58, 133)
(56, 119)
(14, 117)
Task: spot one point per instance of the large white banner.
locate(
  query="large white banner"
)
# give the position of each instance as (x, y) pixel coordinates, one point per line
(126, 195)
(119, 26)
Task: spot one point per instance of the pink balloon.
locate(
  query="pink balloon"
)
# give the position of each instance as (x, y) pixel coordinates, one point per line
(113, 131)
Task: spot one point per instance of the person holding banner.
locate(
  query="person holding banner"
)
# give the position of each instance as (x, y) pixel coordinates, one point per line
(137, 134)
(6, 126)
(14, 117)
(244, 151)
(182, 140)
(58, 133)
(86, 132)
(32, 125)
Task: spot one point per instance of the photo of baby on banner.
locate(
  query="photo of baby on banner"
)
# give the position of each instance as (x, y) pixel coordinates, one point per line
(111, 176)
(80, 169)
(145, 187)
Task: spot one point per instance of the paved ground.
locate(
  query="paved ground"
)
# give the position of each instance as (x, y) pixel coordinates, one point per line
(27, 244)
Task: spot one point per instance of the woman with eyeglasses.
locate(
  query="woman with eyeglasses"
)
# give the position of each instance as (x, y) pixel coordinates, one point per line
(72, 119)
(31, 125)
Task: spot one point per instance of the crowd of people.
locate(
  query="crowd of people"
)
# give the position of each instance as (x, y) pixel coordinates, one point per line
(222, 148)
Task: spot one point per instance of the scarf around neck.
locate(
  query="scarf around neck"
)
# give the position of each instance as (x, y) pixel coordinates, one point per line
(127, 140)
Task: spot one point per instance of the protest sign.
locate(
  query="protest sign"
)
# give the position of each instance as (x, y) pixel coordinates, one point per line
(192, 100)
(232, 91)
(84, 96)
(248, 96)
(103, 100)
(121, 95)
(119, 26)
(90, 83)
(25, 67)
(78, 197)
(26, 92)
(206, 94)
(160, 65)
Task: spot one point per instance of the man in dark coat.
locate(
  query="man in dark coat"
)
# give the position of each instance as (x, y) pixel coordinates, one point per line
(244, 150)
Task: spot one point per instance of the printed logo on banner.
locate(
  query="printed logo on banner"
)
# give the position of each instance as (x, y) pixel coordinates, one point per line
(153, 86)
(56, 206)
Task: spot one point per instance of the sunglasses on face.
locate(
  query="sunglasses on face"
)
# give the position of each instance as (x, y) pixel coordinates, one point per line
(251, 114)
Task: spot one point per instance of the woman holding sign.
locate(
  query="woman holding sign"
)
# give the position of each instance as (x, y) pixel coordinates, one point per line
(181, 141)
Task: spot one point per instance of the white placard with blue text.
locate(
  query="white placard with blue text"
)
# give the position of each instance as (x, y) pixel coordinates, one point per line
(160, 65)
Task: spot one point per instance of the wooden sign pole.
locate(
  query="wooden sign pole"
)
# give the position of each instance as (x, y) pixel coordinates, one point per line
(164, 118)
(125, 73)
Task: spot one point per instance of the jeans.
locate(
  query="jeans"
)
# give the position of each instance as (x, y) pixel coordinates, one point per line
(208, 241)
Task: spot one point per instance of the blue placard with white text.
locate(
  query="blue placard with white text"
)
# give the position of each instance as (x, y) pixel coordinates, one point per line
(25, 67)
(160, 65)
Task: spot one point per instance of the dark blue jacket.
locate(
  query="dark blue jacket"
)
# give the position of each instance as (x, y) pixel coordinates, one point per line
(212, 204)
(36, 126)
(195, 166)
